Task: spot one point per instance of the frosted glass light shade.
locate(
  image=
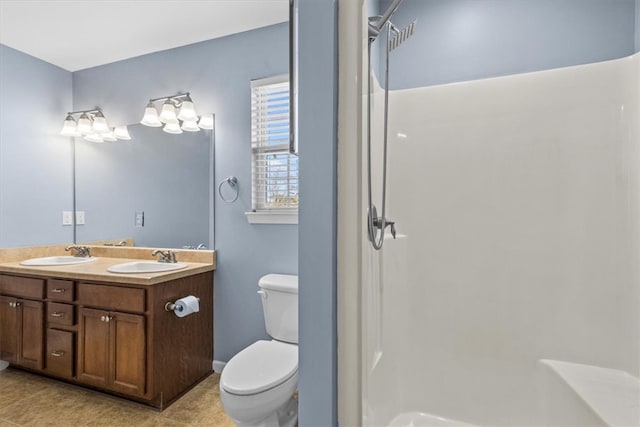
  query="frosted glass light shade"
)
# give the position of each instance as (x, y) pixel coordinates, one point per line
(173, 128)
(150, 117)
(122, 132)
(190, 126)
(187, 112)
(94, 137)
(206, 122)
(168, 113)
(108, 136)
(84, 124)
(100, 124)
(69, 127)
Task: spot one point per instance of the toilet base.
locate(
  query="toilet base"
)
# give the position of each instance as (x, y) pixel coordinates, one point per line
(286, 416)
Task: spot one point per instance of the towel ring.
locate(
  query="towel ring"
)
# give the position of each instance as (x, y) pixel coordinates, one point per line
(233, 182)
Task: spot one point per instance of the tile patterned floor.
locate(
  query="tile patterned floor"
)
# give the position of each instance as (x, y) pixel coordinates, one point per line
(31, 400)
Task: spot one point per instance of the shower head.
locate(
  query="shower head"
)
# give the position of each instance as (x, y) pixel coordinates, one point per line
(402, 35)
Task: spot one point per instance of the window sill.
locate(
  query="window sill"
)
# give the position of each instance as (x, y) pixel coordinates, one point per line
(269, 217)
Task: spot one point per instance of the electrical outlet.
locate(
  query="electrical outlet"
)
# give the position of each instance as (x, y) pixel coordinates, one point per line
(79, 217)
(67, 218)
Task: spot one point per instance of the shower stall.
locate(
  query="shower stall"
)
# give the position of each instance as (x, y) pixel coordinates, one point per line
(510, 292)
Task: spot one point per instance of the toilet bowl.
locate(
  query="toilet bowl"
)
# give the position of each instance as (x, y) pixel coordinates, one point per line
(258, 383)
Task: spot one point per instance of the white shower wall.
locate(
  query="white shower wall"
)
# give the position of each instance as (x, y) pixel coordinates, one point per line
(517, 202)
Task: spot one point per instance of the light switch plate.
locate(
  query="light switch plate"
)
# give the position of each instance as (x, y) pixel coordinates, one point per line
(67, 217)
(80, 217)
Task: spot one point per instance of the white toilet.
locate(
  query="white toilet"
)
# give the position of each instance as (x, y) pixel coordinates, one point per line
(257, 384)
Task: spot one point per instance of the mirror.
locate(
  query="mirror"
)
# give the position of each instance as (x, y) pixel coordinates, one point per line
(156, 188)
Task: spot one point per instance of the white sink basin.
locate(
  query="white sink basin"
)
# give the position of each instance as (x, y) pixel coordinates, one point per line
(146, 267)
(57, 260)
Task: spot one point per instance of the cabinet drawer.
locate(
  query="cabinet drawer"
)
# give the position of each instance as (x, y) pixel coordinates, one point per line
(61, 314)
(60, 353)
(22, 287)
(60, 290)
(111, 297)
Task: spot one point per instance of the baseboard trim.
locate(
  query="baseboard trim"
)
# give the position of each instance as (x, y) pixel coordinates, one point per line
(218, 366)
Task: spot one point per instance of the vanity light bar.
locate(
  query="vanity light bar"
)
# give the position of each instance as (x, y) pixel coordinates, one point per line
(172, 121)
(93, 126)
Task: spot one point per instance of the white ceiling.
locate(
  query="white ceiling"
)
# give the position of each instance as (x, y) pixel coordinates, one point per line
(78, 34)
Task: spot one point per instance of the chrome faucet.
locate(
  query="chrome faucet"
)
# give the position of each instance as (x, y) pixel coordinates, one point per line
(81, 251)
(165, 256)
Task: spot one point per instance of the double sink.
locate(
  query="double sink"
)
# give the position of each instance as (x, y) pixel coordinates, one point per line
(124, 268)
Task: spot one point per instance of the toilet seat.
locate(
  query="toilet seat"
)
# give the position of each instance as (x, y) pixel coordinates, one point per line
(261, 366)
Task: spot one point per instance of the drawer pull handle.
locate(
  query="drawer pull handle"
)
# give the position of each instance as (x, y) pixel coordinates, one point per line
(57, 353)
(57, 314)
(58, 290)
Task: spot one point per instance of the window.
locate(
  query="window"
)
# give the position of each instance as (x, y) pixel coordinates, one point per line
(274, 168)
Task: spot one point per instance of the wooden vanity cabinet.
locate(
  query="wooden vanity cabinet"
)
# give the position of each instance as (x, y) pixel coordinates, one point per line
(116, 337)
(21, 321)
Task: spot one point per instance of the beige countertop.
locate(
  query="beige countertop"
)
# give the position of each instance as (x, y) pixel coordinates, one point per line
(197, 262)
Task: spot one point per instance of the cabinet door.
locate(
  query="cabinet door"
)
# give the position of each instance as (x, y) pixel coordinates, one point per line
(8, 330)
(93, 347)
(128, 352)
(31, 342)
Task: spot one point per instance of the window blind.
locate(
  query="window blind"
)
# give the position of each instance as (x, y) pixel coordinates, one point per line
(274, 169)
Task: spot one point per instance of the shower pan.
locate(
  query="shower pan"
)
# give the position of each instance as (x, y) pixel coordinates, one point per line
(510, 295)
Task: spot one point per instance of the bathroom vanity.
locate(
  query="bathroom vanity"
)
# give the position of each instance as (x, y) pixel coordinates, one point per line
(108, 331)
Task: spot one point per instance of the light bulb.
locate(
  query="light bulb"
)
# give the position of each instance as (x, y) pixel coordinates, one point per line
(150, 117)
(69, 127)
(168, 113)
(190, 126)
(84, 124)
(121, 132)
(173, 128)
(206, 122)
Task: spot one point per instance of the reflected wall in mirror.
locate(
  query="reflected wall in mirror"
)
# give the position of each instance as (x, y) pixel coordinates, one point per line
(168, 177)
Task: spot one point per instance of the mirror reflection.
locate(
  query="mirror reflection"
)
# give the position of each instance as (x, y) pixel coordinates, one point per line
(155, 188)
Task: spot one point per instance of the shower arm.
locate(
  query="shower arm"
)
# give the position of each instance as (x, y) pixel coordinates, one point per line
(374, 29)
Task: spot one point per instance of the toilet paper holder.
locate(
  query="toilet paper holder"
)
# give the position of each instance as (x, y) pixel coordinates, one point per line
(171, 306)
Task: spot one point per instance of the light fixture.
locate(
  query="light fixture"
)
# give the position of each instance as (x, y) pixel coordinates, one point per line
(190, 126)
(172, 128)
(69, 127)
(187, 111)
(93, 126)
(94, 137)
(121, 132)
(178, 113)
(84, 124)
(150, 117)
(206, 122)
(100, 124)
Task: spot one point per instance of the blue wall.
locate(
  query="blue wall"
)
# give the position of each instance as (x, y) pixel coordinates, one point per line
(460, 40)
(637, 26)
(217, 73)
(318, 85)
(35, 161)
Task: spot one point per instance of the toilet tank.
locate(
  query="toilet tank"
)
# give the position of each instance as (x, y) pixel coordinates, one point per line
(279, 294)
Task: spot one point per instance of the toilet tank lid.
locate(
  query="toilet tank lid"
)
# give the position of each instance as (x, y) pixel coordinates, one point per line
(279, 282)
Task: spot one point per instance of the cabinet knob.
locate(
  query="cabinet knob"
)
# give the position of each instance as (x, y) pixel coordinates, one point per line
(57, 353)
(103, 318)
(57, 314)
(17, 304)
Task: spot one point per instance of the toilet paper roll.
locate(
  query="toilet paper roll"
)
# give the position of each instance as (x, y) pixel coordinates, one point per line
(186, 306)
